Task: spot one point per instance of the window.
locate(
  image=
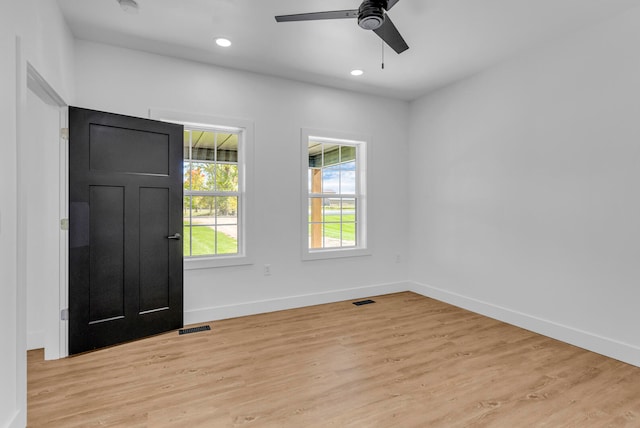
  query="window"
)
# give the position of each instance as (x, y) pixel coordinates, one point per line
(216, 182)
(334, 203)
(212, 200)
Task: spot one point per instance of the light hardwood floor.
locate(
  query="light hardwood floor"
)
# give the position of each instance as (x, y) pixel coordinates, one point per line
(405, 361)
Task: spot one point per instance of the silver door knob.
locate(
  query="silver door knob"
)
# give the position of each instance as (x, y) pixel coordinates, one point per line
(175, 236)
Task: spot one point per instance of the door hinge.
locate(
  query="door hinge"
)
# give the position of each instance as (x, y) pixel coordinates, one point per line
(64, 314)
(64, 133)
(64, 224)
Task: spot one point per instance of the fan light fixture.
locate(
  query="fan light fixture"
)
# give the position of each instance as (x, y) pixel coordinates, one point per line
(129, 6)
(221, 41)
(357, 72)
(371, 14)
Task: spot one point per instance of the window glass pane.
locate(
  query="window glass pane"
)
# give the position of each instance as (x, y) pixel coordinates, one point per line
(315, 235)
(186, 239)
(315, 209)
(227, 209)
(332, 235)
(186, 233)
(227, 239)
(203, 209)
(348, 209)
(347, 153)
(227, 177)
(202, 240)
(203, 145)
(331, 210)
(186, 168)
(186, 142)
(315, 180)
(186, 209)
(348, 177)
(315, 219)
(331, 154)
(227, 147)
(332, 232)
(202, 176)
(331, 179)
(315, 154)
(348, 234)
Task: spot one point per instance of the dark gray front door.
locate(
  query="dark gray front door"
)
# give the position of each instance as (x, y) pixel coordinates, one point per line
(125, 217)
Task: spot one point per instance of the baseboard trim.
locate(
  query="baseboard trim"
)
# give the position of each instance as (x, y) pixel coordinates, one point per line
(16, 421)
(35, 340)
(602, 345)
(271, 305)
(612, 348)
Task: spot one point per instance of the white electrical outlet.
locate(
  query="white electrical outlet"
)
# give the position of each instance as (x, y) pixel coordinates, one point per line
(267, 270)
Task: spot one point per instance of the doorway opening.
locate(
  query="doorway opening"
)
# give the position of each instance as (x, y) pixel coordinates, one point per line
(42, 204)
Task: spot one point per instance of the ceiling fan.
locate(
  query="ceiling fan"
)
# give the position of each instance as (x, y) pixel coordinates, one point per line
(371, 15)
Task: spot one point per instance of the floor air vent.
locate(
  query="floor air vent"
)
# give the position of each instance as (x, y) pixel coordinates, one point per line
(363, 302)
(194, 329)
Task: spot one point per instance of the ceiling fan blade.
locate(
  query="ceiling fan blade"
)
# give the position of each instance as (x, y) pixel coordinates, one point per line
(391, 36)
(336, 14)
(391, 3)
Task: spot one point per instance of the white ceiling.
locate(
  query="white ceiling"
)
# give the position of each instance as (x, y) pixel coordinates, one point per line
(448, 39)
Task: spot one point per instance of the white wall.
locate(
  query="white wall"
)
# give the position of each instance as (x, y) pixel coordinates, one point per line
(47, 44)
(525, 184)
(130, 82)
(9, 400)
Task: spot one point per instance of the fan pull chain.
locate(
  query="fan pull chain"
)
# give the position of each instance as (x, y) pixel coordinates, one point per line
(382, 48)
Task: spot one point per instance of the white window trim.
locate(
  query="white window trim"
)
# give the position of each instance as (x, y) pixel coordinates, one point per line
(363, 144)
(246, 127)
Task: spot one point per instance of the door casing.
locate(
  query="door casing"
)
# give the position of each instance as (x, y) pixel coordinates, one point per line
(56, 328)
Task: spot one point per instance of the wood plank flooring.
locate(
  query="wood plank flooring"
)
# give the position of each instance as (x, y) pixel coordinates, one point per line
(405, 361)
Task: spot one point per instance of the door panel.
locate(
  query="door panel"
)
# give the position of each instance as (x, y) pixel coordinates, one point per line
(154, 248)
(125, 200)
(106, 258)
(116, 149)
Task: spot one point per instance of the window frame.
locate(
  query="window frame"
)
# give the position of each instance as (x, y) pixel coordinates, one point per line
(244, 128)
(363, 150)
(217, 193)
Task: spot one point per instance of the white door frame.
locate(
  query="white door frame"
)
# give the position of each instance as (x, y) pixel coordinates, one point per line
(56, 329)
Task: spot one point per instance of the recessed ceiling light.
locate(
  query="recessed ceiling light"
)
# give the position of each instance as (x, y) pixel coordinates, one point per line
(357, 72)
(129, 6)
(221, 41)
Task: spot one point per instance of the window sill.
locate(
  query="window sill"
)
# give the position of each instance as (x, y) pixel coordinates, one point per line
(215, 262)
(335, 253)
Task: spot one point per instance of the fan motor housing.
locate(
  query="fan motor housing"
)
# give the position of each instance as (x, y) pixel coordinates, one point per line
(371, 14)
